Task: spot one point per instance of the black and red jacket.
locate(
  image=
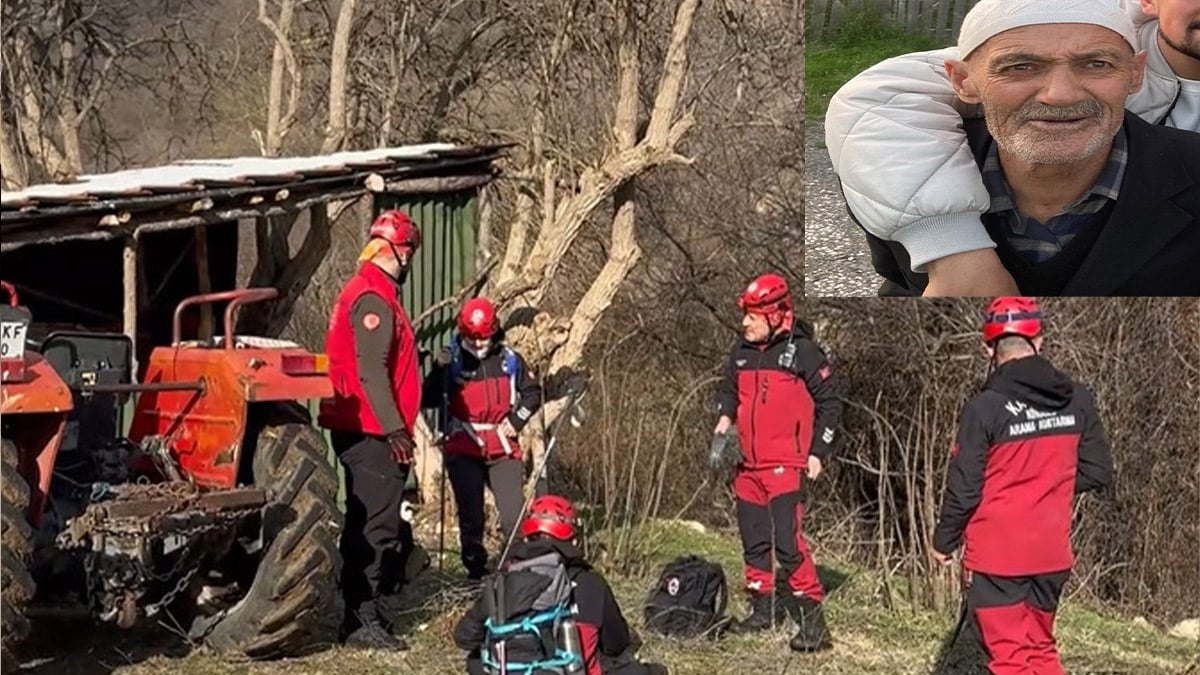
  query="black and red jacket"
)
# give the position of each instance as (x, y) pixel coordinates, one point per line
(1027, 443)
(783, 411)
(603, 631)
(483, 394)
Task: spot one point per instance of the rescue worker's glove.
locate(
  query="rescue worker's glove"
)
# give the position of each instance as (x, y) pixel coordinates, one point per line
(402, 446)
(724, 452)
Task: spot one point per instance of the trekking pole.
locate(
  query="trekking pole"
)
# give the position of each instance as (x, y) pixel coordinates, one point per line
(444, 423)
(573, 396)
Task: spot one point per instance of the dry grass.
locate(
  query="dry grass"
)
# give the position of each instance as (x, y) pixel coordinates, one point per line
(869, 638)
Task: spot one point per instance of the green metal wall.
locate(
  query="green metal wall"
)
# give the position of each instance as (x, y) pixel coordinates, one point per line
(449, 225)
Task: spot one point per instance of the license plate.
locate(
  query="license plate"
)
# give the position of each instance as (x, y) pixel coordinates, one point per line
(12, 346)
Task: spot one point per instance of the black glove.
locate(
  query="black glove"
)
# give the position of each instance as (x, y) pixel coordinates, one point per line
(402, 446)
(724, 452)
(716, 452)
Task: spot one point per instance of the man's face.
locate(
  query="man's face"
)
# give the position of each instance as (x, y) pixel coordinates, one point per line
(755, 328)
(1178, 23)
(1052, 93)
(478, 346)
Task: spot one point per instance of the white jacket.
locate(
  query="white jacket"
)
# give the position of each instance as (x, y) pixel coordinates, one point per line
(895, 136)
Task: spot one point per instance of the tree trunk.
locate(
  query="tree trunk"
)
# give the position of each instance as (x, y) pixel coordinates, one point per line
(283, 60)
(335, 131)
(41, 146)
(68, 115)
(13, 176)
(292, 278)
(625, 251)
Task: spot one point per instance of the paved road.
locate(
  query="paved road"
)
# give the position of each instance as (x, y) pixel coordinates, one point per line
(836, 261)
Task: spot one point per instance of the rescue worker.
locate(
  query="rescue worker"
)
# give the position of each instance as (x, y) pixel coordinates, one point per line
(1027, 443)
(489, 394)
(371, 417)
(780, 390)
(607, 644)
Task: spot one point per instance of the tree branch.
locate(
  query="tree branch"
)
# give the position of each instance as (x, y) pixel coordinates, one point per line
(470, 289)
(674, 70)
(625, 251)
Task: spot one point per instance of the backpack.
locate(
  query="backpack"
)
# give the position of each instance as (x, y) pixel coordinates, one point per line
(689, 600)
(529, 628)
(511, 367)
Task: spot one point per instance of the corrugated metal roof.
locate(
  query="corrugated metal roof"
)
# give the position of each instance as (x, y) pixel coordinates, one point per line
(190, 175)
(197, 191)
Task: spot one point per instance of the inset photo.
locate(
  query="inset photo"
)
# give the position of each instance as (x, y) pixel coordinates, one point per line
(983, 148)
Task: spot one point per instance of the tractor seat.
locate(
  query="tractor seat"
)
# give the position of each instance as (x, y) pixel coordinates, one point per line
(244, 342)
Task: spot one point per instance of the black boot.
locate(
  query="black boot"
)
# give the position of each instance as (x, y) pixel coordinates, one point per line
(765, 613)
(475, 559)
(808, 615)
(370, 633)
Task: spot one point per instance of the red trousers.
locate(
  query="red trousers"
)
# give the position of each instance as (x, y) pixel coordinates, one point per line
(770, 512)
(1015, 616)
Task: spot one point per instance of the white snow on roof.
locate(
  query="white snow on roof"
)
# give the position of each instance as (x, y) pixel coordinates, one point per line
(187, 175)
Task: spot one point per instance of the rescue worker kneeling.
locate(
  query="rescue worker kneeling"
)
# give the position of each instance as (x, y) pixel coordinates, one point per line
(547, 608)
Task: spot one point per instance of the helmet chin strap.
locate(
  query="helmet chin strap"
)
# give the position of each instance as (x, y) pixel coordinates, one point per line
(402, 263)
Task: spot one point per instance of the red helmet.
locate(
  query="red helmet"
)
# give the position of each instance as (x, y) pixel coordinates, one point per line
(397, 229)
(550, 515)
(768, 294)
(1012, 316)
(477, 319)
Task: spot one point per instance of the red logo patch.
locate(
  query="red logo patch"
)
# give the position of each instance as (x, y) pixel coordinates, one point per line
(371, 321)
(824, 372)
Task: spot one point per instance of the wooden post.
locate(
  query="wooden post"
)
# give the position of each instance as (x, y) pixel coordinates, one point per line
(130, 277)
(203, 281)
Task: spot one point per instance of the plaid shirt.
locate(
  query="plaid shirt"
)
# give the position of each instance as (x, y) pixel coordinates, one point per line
(1039, 242)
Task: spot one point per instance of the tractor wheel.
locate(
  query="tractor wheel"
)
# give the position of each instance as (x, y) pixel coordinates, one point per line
(293, 606)
(16, 538)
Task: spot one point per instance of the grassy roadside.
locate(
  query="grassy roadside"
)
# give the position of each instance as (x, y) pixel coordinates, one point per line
(863, 39)
(869, 638)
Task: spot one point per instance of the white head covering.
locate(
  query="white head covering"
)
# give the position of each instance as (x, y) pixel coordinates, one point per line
(990, 17)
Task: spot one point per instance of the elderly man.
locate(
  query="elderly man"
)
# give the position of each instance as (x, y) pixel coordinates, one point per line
(1074, 201)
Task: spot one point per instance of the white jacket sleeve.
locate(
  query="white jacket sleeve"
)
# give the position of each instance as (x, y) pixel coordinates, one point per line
(895, 136)
(1134, 9)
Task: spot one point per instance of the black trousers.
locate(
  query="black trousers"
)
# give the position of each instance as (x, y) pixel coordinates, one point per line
(1015, 619)
(468, 476)
(375, 541)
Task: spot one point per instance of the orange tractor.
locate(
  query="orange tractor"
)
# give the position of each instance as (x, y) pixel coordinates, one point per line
(220, 507)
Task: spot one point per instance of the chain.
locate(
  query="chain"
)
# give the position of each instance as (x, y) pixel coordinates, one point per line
(185, 556)
(165, 600)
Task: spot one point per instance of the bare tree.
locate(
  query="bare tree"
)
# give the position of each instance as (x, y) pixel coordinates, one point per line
(284, 64)
(63, 59)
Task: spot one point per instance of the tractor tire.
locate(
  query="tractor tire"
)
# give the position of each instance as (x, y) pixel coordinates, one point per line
(16, 541)
(294, 606)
